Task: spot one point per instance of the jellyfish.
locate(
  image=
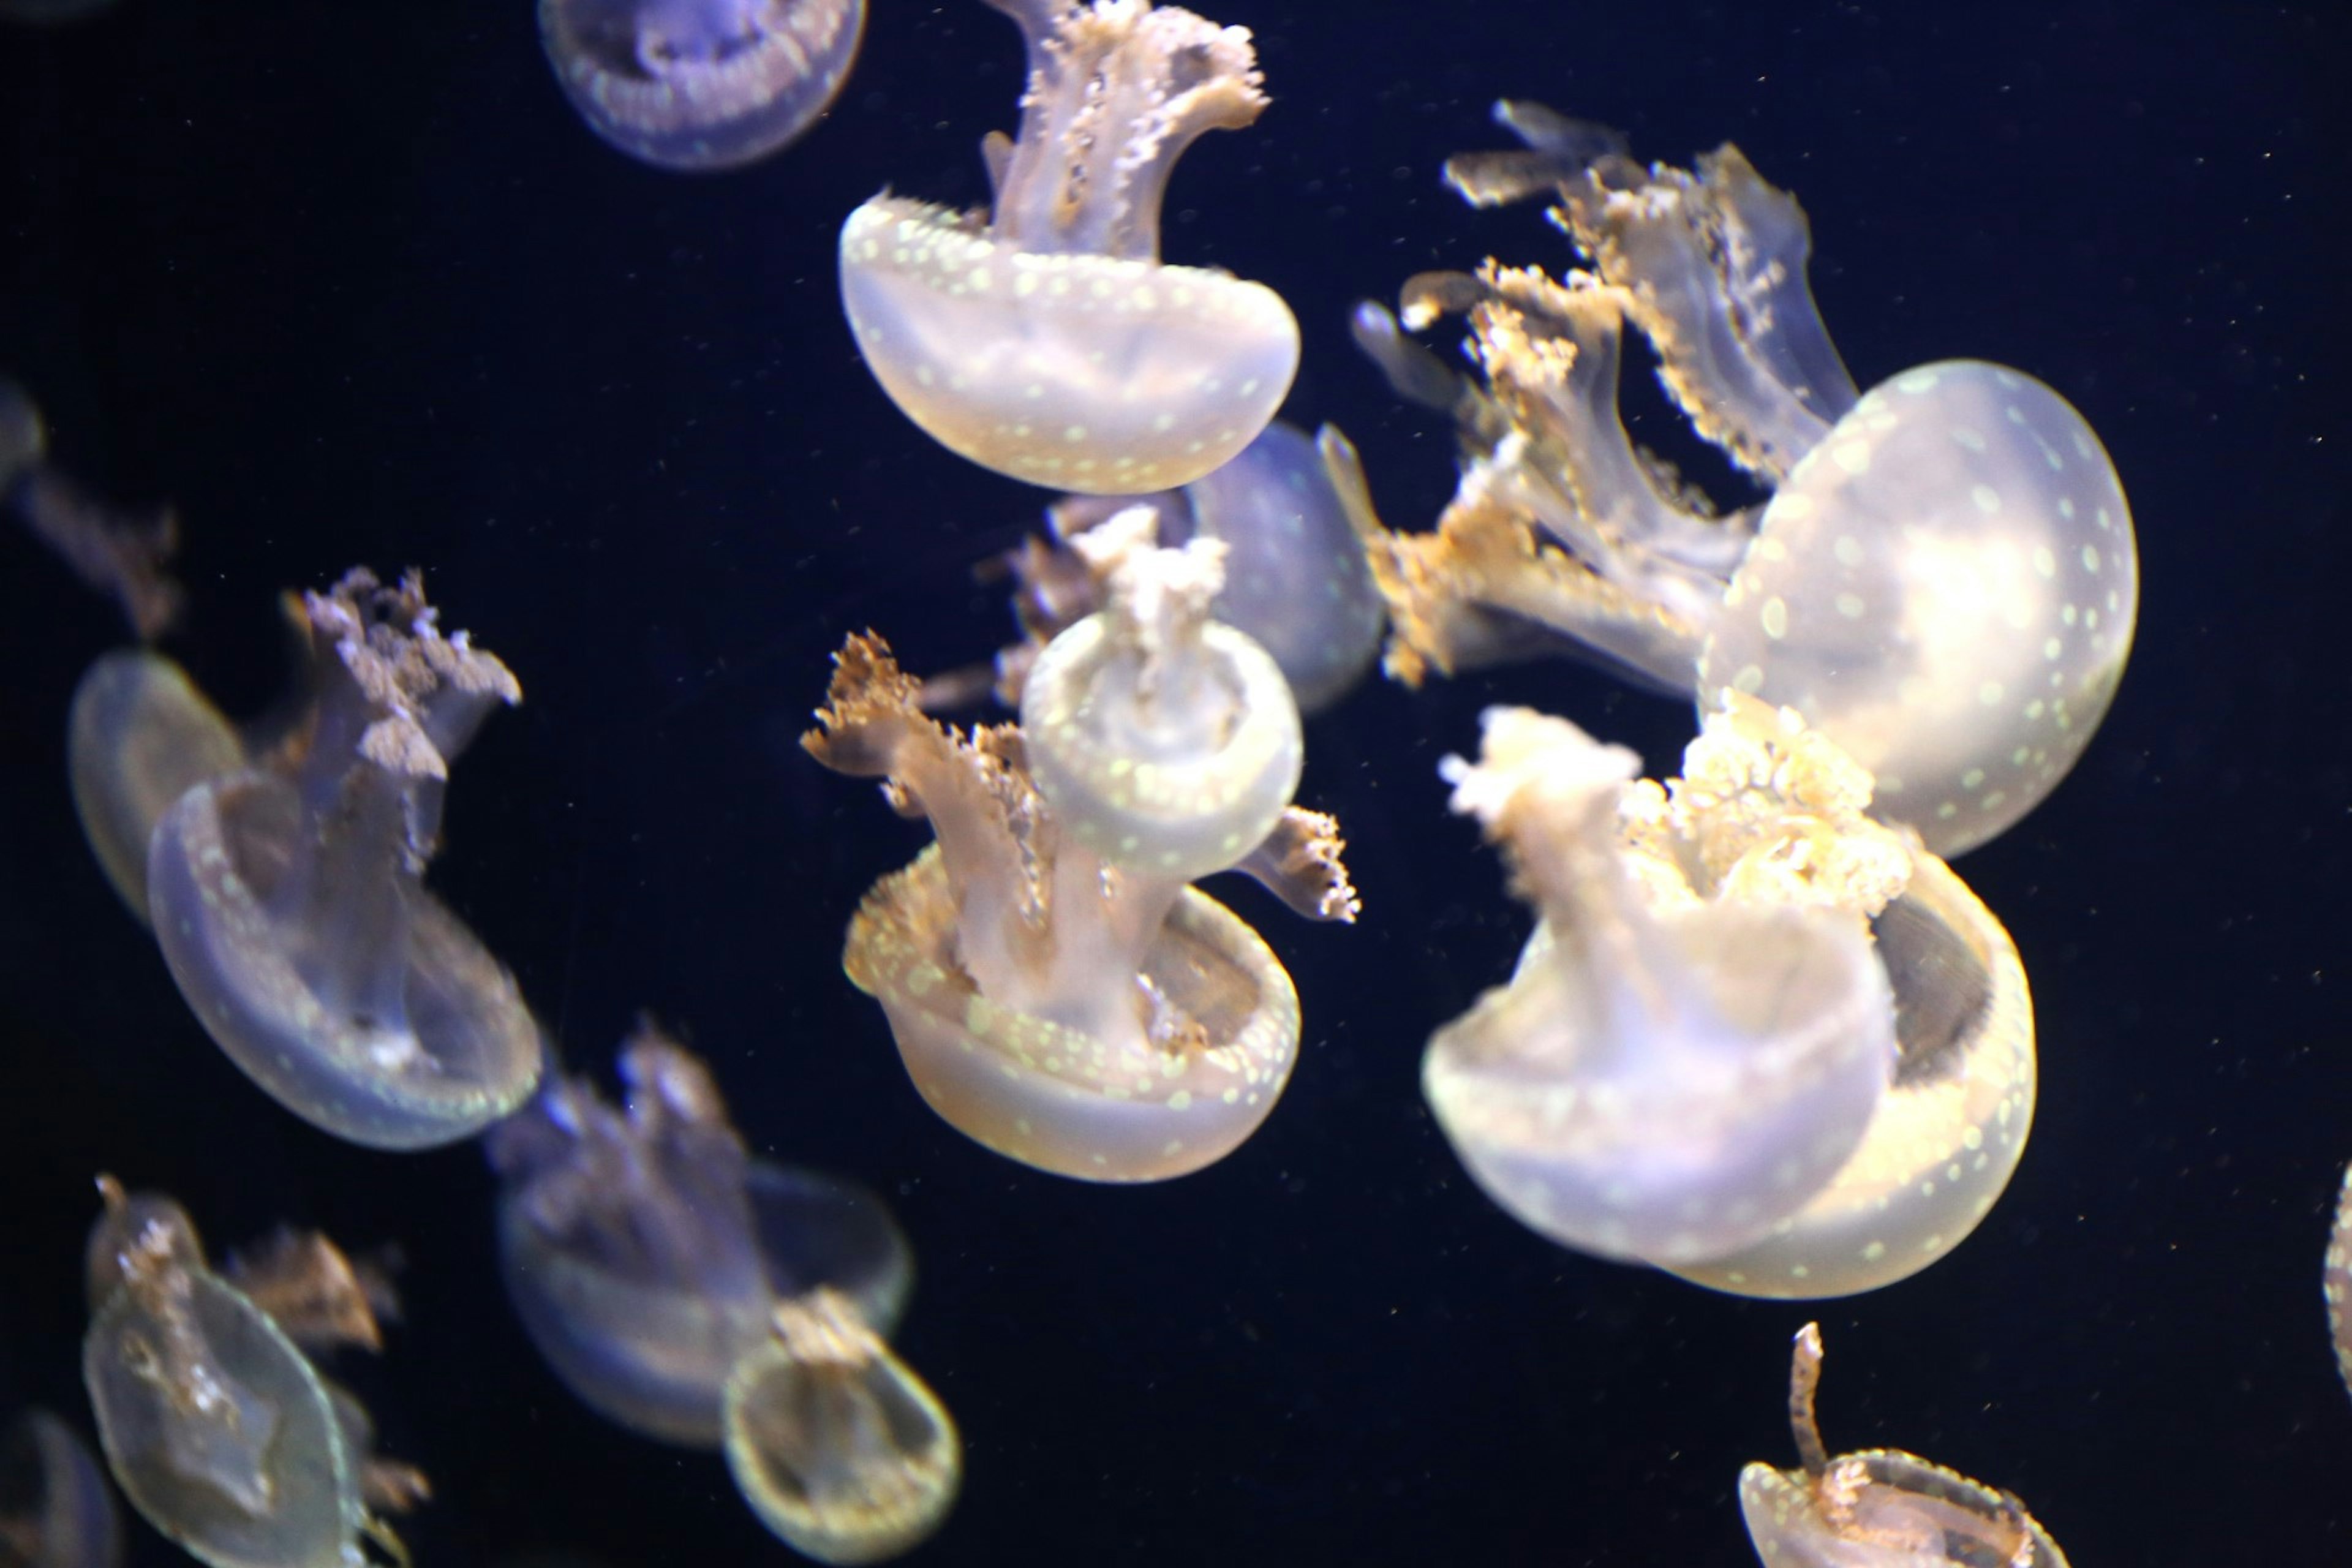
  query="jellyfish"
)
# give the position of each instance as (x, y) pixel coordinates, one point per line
(1758, 1039)
(839, 1447)
(216, 1424)
(2335, 1280)
(55, 1511)
(1045, 340)
(288, 899)
(1944, 579)
(138, 737)
(646, 1249)
(1296, 578)
(700, 85)
(1880, 1508)
(121, 553)
(1057, 990)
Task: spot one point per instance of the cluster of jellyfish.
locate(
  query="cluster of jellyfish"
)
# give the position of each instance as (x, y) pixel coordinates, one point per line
(1762, 1037)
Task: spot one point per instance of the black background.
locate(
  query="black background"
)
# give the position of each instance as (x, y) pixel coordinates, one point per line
(350, 283)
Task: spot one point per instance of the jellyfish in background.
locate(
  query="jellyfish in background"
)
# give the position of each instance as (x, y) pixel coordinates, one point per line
(121, 553)
(1880, 1508)
(2335, 1280)
(1757, 1038)
(695, 1294)
(216, 1422)
(1295, 579)
(700, 85)
(288, 897)
(1944, 580)
(55, 1511)
(1047, 341)
(1057, 990)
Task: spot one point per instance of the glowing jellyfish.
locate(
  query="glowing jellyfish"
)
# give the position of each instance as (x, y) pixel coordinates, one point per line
(646, 1249)
(216, 1424)
(1056, 989)
(1944, 580)
(700, 84)
(1047, 341)
(2335, 1280)
(1880, 1508)
(1758, 1039)
(55, 1511)
(289, 903)
(1295, 579)
(839, 1447)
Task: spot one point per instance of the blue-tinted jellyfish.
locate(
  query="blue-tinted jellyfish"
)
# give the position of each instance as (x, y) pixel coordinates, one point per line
(1944, 580)
(55, 1511)
(1057, 990)
(692, 1293)
(1757, 1039)
(288, 897)
(1045, 340)
(700, 84)
(1880, 1508)
(1296, 581)
(216, 1423)
(646, 1249)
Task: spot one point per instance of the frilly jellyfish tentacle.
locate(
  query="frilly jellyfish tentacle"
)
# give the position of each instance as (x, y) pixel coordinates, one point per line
(698, 85)
(289, 904)
(1049, 342)
(646, 1249)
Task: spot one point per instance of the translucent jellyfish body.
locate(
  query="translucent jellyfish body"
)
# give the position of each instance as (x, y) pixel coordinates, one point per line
(55, 1511)
(841, 1450)
(1048, 341)
(1056, 990)
(288, 900)
(1944, 580)
(216, 1424)
(1758, 1039)
(139, 736)
(1295, 579)
(700, 84)
(646, 1249)
(1880, 1508)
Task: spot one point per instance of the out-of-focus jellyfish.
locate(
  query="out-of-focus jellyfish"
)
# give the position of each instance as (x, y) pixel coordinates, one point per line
(290, 903)
(1944, 580)
(1757, 1038)
(55, 1511)
(646, 1249)
(139, 736)
(1879, 1508)
(700, 84)
(1045, 340)
(1057, 990)
(840, 1449)
(2335, 1280)
(121, 553)
(1296, 578)
(216, 1423)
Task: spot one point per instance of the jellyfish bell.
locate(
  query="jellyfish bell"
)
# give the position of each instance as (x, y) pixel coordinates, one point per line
(698, 85)
(1048, 342)
(1880, 1508)
(138, 737)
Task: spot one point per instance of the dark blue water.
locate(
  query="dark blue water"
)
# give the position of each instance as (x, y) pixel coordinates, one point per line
(351, 284)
